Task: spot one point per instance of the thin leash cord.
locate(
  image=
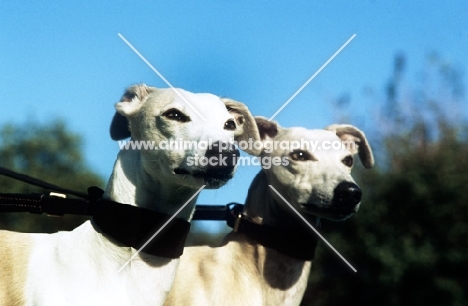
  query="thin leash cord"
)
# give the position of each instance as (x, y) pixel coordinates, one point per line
(32, 202)
(39, 183)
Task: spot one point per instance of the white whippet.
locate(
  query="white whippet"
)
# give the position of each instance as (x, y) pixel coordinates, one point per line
(81, 267)
(268, 260)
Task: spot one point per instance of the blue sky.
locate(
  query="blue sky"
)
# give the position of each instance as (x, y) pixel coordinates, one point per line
(65, 60)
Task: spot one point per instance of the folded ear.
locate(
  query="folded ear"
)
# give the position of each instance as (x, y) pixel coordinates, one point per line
(361, 146)
(246, 127)
(129, 104)
(267, 129)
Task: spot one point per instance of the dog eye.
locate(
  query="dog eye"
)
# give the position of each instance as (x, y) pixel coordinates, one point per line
(300, 155)
(176, 115)
(230, 125)
(348, 161)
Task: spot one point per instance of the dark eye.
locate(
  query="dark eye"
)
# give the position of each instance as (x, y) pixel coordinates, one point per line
(300, 155)
(230, 125)
(176, 115)
(348, 161)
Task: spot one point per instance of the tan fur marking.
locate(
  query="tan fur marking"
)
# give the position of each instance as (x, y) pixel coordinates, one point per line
(14, 255)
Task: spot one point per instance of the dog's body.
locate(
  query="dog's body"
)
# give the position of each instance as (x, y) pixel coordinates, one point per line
(81, 267)
(317, 183)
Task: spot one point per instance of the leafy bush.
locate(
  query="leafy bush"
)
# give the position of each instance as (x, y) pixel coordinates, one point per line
(51, 153)
(409, 241)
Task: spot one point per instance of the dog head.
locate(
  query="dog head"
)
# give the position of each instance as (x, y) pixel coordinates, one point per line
(183, 137)
(313, 167)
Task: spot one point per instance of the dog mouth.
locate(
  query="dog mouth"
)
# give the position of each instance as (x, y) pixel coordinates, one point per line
(344, 203)
(212, 178)
(329, 212)
(181, 171)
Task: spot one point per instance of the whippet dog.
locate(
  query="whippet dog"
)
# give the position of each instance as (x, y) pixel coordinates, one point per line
(84, 266)
(268, 259)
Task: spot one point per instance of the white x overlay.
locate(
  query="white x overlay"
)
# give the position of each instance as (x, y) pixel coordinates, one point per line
(271, 118)
(312, 77)
(313, 228)
(161, 76)
(161, 228)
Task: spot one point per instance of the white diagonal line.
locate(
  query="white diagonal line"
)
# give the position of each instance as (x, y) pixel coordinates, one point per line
(312, 77)
(161, 228)
(313, 228)
(160, 75)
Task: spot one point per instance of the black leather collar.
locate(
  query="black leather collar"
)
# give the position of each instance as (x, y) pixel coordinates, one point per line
(299, 244)
(133, 226)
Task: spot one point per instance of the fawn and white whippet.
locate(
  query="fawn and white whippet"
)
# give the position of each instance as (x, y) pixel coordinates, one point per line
(268, 259)
(81, 267)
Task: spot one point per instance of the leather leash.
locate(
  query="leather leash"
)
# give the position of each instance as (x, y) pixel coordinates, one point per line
(132, 226)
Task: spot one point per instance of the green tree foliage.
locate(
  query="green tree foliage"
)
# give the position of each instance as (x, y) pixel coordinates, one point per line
(51, 153)
(409, 241)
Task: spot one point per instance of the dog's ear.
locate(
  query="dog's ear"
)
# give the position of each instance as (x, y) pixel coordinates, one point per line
(119, 127)
(132, 100)
(348, 132)
(246, 127)
(267, 129)
(129, 105)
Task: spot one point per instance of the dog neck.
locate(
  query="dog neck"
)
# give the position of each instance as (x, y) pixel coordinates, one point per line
(130, 184)
(284, 277)
(263, 208)
(273, 225)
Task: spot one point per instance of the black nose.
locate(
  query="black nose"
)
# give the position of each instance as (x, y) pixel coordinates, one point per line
(346, 195)
(222, 157)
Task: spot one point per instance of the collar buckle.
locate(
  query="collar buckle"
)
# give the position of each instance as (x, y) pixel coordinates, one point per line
(237, 222)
